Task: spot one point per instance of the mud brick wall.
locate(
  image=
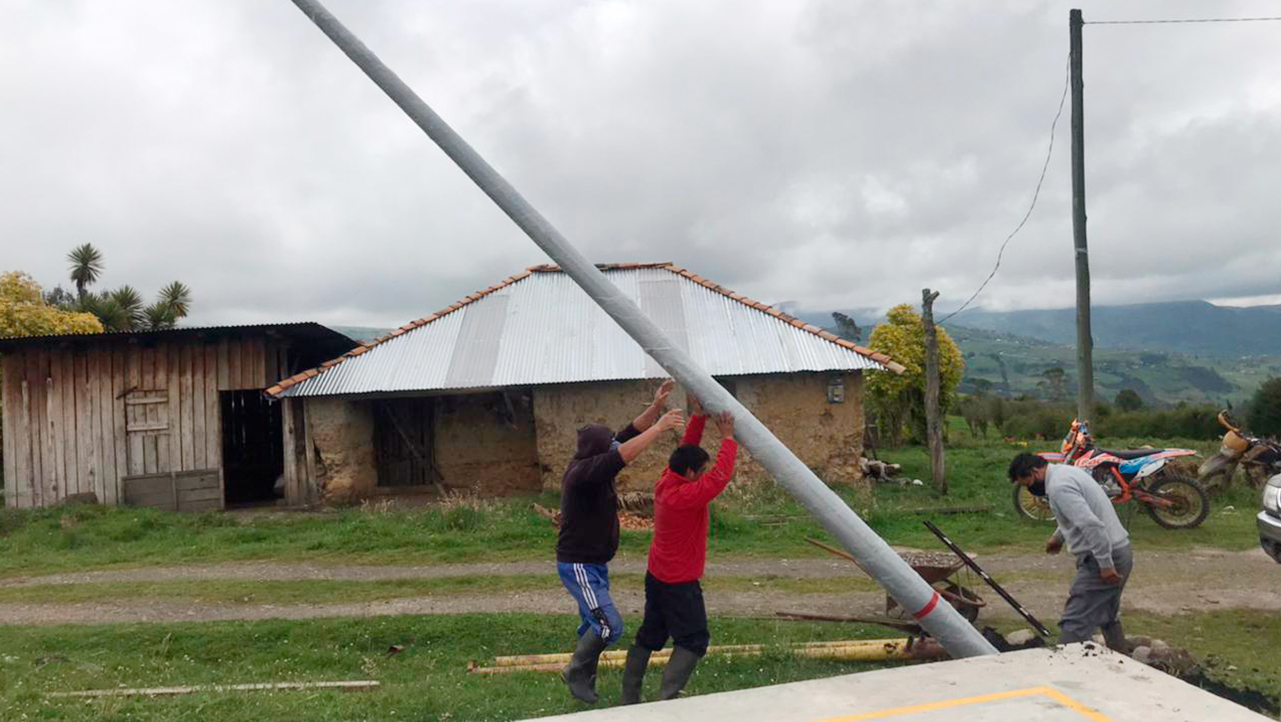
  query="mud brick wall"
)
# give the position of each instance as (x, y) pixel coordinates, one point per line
(828, 437)
(486, 443)
(342, 440)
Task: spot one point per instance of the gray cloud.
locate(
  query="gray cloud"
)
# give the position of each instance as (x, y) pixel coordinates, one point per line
(831, 153)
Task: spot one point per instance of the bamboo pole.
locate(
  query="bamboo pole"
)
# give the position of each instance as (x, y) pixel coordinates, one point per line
(564, 657)
(892, 650)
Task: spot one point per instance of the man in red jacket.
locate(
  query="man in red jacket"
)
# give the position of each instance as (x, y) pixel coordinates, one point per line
(673, 597)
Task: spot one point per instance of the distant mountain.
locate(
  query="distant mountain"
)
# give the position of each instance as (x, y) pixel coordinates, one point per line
(363, 334)
(1188, 327)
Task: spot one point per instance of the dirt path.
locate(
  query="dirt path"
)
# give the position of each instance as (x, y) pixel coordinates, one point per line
(1164, 582)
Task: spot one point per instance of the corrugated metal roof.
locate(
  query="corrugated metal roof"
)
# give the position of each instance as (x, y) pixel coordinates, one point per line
(299, 329)
(541, 328)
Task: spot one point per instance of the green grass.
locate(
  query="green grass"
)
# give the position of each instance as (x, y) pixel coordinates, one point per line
(427, 681)
(318, 591)
(751, 519)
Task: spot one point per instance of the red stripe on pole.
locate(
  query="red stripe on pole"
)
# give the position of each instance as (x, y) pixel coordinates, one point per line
(934, 600)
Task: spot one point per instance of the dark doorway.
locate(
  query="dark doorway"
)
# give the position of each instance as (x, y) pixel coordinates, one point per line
(403, 442)
(253, 457)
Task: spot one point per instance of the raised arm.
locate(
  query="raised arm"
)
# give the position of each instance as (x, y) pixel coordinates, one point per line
(697, 420)
(651, 412)
(633, 447)
(711, 484)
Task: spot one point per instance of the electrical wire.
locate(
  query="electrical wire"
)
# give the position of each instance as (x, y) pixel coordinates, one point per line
(1036, 194)
(1188, 20)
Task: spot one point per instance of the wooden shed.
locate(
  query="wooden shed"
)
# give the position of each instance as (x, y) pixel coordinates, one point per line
(171, 419)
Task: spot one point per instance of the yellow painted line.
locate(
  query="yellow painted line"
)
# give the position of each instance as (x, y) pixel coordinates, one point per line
(1049, 692)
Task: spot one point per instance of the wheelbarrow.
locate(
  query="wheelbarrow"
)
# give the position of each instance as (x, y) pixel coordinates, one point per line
(939, 570)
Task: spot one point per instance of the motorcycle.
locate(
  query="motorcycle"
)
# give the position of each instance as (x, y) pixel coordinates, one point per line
(1144, 476)
(1260, 457)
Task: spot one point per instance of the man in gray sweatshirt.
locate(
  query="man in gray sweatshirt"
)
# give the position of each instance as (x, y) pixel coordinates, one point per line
(1089, 525)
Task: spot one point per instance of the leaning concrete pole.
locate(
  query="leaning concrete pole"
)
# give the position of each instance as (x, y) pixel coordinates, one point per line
(900, 581)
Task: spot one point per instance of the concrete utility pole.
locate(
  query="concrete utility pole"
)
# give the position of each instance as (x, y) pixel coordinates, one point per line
(1084, 339)
(933, 384)
(901, 582)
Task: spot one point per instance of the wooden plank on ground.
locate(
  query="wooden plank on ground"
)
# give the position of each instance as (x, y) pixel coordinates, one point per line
(119, 375)
(193, 496)
(149, 484)
(186, 426)
(198, 406)
(175, 409)
(8, 379)
(213, 417)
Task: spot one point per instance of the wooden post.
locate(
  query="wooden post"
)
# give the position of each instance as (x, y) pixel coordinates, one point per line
(933, 382)
(1084, 339)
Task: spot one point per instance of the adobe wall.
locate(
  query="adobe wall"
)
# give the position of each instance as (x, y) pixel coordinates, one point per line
(828, 437)
(485, 443)
(342, 438)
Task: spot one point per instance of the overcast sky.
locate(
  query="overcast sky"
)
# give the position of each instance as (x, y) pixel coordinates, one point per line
(832, 153)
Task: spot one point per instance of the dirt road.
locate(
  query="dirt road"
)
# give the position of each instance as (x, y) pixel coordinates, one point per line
(1163, 582)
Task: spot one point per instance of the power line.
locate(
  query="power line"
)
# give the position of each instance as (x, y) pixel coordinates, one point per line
(1188, 20)
(1049, 153)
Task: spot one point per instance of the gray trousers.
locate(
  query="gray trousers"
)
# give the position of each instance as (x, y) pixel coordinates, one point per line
(1093, 603)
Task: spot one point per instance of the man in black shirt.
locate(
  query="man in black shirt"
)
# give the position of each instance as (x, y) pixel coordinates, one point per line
(588, 535)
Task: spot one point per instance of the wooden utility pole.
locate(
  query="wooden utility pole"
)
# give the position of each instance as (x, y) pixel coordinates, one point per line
(933, 382)
(1084, 339)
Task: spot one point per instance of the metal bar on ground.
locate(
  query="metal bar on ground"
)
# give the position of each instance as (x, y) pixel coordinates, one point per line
(969, 562)
(903, 584)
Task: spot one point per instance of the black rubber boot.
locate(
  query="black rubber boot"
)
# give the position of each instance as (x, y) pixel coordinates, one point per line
(580, 673)
(679, 668)
(634, 674)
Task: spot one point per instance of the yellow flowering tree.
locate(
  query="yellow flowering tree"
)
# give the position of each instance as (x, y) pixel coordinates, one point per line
(899, 399)
(23, 311)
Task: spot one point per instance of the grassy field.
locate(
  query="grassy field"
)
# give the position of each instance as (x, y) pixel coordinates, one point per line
(429, 681)
(751, 519)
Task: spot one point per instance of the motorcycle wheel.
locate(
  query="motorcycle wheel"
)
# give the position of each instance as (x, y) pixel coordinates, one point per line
(1191, 503)
(1030, 506)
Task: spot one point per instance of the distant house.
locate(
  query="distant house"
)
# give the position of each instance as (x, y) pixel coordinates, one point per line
(172, 419)
(487, 394)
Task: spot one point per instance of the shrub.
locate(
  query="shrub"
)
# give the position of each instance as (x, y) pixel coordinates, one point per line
(1265, 409)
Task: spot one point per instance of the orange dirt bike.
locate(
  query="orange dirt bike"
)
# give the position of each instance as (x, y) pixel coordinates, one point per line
(1142, 476)
(1260, 457)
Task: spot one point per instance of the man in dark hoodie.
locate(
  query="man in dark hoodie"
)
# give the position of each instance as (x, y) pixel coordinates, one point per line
(589, 532)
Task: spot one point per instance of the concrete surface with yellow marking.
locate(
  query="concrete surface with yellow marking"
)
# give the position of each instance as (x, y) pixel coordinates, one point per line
(1075, 683)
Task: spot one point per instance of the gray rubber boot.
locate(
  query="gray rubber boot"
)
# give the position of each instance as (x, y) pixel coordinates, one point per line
(580, 673)
(679, 668)
(634, 674)
(1114, 637)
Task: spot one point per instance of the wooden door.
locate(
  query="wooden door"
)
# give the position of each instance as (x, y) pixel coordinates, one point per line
(147, 429)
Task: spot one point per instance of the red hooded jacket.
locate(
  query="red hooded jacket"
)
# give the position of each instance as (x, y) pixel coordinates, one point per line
(679, 548)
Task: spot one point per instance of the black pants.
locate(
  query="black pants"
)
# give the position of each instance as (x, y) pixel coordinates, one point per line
(676, 611)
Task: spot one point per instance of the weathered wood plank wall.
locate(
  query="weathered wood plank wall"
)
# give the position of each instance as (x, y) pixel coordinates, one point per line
(71, 427)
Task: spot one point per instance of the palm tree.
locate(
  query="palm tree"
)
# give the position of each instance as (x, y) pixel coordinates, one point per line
(158, 317)
(177, 298)
(130, 303)
(86, 266)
